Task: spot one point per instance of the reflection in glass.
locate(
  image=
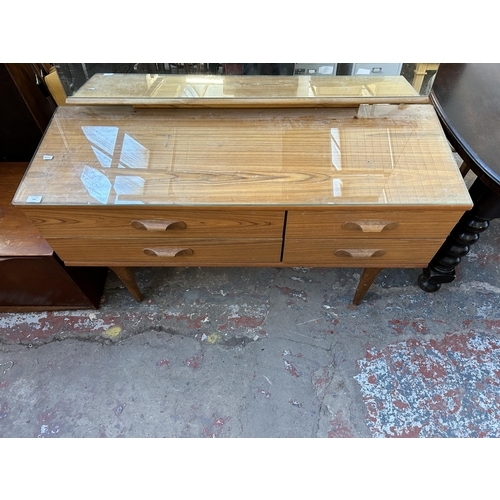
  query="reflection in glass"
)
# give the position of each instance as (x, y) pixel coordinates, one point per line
(128, 185)
(103, 137)
(335, 143)
(104, 160)
(96, 183)
(133, 154)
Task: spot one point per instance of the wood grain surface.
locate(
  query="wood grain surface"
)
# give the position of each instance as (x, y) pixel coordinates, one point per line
(363, 253)
(386, 155)
(186, 223)
(364, 224)
(18, 236)
(203, 251)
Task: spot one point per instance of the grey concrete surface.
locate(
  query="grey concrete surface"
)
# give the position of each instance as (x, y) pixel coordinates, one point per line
(262, 352)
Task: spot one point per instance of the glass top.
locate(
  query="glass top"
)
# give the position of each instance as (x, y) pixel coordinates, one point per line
(374, 155)
(245, 85)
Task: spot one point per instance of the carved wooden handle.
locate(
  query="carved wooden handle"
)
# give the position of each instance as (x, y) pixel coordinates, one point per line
(359, 253)
(157, 225)
(167, 252)
(370, 226)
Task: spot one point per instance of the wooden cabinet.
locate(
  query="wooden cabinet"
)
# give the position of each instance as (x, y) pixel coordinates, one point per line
(24, 112)
(121, 187)
(32, 277)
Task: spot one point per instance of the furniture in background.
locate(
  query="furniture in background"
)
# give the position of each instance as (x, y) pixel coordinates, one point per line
(55, 87)
(467, 100)
(25, 111)
(32, 277)
(420, 72)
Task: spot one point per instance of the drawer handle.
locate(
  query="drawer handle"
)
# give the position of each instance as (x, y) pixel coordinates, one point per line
(359, 253)
(167, 252)
(157, 225)
(370, 226)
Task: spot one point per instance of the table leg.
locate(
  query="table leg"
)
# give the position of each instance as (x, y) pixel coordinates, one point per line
(367, 278)
(441, 269)
(127, 278)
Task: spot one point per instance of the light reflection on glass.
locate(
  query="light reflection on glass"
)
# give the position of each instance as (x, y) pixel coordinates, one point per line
(335, 143)
(104, 159)
(102, 137)
(204, 80)
(131, 185)
(134, 154)
(103, 141)
(363, 159)
(96, 183)
(337, 188)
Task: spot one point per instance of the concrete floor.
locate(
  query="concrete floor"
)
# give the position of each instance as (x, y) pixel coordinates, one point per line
(239, 352)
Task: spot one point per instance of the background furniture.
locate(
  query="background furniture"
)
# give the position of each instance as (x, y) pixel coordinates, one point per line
(377, 69)
(467, 101)
(32, 277)
(25, 111)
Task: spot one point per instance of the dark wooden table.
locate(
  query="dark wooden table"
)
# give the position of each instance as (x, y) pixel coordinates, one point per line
(467, 100)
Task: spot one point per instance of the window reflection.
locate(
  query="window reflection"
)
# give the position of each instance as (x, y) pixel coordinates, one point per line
(267, 156)
(364, 157)
(102, 137)
(96, 183)
(132, 154)
(335, 143)
(128, 185)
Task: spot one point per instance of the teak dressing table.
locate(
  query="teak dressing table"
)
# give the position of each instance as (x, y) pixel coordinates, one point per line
(194, 180)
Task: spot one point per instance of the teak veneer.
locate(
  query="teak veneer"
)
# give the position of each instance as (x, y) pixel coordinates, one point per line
(121, 187)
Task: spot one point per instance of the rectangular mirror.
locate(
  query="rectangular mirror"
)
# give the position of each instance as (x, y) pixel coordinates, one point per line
(245, 84)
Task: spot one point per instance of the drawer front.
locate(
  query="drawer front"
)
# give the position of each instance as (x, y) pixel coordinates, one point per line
(156, 252)
(366, 224)
(131, 222)
(360, 253)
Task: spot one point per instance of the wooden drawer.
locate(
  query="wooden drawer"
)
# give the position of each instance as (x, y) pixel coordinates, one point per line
(133, 222)
(157, 252)
(366, 224)
(359, 253)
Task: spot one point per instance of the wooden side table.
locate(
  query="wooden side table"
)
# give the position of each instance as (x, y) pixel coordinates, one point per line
(467, 100)
(32, 277)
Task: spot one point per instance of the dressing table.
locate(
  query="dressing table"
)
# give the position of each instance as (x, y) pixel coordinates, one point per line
(150, 170)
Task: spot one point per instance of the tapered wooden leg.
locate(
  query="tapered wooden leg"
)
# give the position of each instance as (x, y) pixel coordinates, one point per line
(367, 278)
(127, 278)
